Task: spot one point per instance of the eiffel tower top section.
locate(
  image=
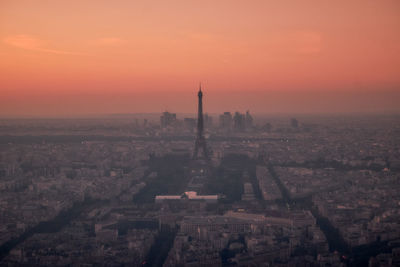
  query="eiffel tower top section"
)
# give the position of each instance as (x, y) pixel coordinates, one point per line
(200, 149)
(200, 123)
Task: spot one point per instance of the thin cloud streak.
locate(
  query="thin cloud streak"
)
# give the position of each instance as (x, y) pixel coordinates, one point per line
(28, 42)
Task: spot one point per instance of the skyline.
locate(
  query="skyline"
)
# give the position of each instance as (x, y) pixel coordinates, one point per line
(95, 57)
(270, 103)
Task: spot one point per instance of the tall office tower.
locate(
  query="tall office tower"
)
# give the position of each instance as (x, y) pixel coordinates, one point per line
(294, 122)
(167, 119)
(225, 121)
(239, 122)
(200, 148)
(249, 121)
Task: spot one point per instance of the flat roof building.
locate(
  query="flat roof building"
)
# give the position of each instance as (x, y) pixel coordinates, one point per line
(190, 195)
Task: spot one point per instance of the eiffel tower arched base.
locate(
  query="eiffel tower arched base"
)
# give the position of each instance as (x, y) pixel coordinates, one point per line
(200, 149)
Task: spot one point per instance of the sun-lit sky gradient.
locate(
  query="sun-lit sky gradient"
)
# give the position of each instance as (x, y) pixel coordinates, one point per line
(61, 57)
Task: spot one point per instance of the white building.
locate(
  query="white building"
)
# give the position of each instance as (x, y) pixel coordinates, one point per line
(190, 195)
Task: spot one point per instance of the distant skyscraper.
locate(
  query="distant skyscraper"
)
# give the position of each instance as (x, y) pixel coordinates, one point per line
(249, 120)
(239, 122)
(200, 148)
(167, 119)
(294, 122)
(225, 121)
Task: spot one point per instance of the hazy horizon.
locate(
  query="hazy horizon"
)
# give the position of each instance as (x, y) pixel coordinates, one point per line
(258, 102)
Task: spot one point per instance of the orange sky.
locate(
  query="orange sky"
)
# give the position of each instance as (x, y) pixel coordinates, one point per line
(81, 57)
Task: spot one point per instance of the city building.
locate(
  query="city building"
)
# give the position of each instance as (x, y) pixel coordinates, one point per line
(190, 195)
(248, 120)
(225, 121)
(239, 122)
(167, 119)
(189, 124)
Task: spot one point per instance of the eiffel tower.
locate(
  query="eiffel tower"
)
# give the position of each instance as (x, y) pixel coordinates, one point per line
(200, 148)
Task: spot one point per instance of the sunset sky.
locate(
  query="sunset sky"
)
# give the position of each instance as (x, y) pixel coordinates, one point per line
(60, 58)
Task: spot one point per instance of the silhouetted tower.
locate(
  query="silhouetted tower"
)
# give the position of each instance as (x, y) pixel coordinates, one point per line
(200, 148)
